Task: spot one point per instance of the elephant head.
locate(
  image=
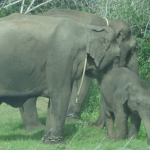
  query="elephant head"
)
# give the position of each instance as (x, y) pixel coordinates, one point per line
(102, 46)
(122, 33)
(126, 43)
(136, 95)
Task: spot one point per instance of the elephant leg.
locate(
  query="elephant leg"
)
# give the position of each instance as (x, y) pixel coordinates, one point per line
(59, 90)
(145, 116)
(29, 115)
(121, 125)
(133, 63)
(74, 108)
(57, 110)
(135, 122)
(121, 115)
(110, 126)
(147, 127)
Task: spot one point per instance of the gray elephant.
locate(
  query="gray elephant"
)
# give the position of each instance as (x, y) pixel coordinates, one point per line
(44, 57)
(128, 58)
(125, 41)
(124, 94)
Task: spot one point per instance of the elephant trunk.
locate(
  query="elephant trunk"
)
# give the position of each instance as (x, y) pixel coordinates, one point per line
(145, 116)
(133, 64)
(123, 61)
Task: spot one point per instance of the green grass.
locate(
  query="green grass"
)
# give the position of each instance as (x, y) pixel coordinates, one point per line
(77, 135)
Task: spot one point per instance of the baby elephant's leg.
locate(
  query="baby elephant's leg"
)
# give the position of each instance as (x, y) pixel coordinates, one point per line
(135, 122)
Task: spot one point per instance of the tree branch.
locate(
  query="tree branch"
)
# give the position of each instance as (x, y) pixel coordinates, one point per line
(3, 5)
(146, 28)
(106, 10)
(30, 5)
(27, 11)
(22, 5)
(12, 3)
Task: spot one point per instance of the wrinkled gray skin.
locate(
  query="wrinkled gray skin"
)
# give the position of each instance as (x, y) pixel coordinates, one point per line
(124, 94)
(44, 57)
(128, 58)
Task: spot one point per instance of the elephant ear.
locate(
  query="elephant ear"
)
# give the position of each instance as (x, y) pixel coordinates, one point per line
(125, 92)
(99, 41)
(122, 31)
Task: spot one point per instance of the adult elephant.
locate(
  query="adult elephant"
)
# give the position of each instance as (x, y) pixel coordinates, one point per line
(46, 56)
(128, 58)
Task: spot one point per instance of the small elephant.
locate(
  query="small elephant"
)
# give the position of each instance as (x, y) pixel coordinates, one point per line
(44, 57)
(128, 58)
(125, 94)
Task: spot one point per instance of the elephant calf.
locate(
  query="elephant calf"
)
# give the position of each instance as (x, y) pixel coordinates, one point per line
(124, 94)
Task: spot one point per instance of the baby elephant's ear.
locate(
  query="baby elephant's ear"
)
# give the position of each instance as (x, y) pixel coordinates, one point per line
(98, 42)
(125, 92)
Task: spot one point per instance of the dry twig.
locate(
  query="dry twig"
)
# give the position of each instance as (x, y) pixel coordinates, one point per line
(32, 2)
(22, 5)
(3, 5)
(27, 11)
(127, 143)
(10, 4)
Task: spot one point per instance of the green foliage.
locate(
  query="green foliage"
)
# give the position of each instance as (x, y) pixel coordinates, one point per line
(90, 108)
(144, 57)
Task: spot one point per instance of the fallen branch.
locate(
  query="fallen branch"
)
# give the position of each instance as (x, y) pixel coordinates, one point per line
(127, 143)
(99, 145)
(70, 142)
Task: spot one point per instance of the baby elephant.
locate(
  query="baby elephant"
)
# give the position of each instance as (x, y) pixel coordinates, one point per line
(124, 94)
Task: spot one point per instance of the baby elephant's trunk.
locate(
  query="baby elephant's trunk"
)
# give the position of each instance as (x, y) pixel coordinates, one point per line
(145, 116)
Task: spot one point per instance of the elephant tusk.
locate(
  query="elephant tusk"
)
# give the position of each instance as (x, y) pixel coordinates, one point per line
(106, 21)
(85, 62)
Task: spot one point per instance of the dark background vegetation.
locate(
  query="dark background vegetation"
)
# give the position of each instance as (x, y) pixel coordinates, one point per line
(135, 12)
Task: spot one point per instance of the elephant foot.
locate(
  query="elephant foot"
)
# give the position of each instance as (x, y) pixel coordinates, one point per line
(72, 117)
(38, 126)
(53, 140)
